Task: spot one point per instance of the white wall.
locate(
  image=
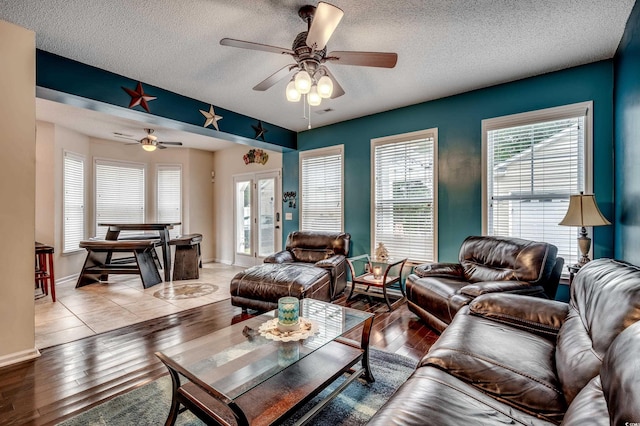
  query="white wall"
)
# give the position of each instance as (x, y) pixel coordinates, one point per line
(17, 189)
(228, 163)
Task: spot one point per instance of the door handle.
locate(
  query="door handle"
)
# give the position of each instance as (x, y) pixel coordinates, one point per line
(277, 216)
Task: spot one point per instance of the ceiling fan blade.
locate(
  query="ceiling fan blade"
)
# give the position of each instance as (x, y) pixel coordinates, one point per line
(364, 59)
(275, 77)
(170, 143)
(325, 20)
(255, 46)
(125, 137)
(160, 146)
(337, 89)
(134, 143)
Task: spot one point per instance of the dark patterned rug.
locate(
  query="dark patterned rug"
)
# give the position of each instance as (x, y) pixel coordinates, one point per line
(149, 404)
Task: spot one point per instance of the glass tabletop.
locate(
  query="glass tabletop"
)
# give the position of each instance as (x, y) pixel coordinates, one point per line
(233, 363)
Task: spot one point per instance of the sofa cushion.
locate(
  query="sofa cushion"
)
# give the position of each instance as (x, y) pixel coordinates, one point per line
(605, 299)
(495, 258)
(588, 407)
(441, 295)
(433, 397)
(510, 364)
(310, 255)
(338, 242)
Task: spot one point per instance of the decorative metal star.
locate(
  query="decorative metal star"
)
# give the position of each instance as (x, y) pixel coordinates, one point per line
(138, 97)
(260, 131)
(211, 118)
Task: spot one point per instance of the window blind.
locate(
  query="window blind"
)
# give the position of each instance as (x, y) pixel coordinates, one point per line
(404, 203)
(532, 171)
(169, 196)
(321, 190)
(119, 194)
(73, 201)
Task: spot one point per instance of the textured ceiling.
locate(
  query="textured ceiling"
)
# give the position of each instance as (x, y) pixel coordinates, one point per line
(444, 47)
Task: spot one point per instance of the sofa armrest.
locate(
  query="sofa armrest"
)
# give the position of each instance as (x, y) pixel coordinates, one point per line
(486, 287)
(283, 256)
(331, 262)
(439, 269)
(541, 316)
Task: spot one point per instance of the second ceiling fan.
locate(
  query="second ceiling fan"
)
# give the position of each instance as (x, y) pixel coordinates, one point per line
(149, 142)
(309, 50)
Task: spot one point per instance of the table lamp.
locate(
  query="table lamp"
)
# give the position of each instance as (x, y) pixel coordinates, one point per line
(583, 211)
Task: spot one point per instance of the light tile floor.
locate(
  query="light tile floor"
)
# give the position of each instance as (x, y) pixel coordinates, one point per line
(95, 308)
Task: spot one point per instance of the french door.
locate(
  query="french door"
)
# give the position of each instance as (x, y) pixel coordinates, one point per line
(257, 216)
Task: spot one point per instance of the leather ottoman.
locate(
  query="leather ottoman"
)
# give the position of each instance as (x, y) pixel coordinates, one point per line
(260, 287)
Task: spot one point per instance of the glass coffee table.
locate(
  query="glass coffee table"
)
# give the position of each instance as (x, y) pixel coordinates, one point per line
(237, 376)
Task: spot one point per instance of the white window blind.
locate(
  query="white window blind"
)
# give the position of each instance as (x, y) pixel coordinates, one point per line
(73, 202)
(321, 190)
(532, 169)
(404, 200)
(119, 194)
(169, 196)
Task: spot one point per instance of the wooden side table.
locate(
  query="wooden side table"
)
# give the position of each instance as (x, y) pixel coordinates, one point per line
(377, 274)
(573, 270)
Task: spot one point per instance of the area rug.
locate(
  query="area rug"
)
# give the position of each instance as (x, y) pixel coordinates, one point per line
(149, 404)
(185, 291)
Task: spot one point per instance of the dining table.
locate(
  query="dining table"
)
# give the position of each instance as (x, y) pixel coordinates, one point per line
(163, 228)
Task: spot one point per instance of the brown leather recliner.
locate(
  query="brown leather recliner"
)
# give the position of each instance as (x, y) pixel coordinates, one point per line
(513, 359)
(327, 250)
(437, 291)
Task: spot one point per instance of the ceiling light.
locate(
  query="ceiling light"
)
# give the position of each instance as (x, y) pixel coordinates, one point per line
(303, 82)
(149, 148)
(292, 93)
(314, 98)
(325, 87)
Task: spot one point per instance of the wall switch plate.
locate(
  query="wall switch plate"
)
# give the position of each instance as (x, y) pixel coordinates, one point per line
(288, 216)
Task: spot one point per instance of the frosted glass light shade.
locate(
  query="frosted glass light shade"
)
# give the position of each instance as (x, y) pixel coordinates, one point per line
(149, 148)
(325, 87)
(292, 93)
(303, 82)
(314, 98)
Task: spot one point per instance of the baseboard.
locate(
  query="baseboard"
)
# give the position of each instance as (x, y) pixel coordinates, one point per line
(223, 261)
(17, 357)
(73, 277)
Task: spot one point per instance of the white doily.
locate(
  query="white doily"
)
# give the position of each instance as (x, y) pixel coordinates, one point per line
(269, 329)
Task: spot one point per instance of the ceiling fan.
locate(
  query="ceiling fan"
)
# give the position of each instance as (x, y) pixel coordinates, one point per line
(149, 142)
(309, 50)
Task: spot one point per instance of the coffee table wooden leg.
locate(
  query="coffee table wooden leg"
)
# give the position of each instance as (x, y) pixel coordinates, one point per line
(364, 344)
(175, 404)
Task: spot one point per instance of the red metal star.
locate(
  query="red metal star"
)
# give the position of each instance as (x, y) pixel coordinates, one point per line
(138, 97)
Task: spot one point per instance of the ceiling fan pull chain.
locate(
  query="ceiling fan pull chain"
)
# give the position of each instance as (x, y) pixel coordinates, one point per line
(309, 126)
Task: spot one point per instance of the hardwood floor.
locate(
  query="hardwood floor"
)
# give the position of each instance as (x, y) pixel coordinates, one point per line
(74, 376)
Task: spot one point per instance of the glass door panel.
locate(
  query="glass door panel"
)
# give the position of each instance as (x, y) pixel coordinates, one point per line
(267, 216)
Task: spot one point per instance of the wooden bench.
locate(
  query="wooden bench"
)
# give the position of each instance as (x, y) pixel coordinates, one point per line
(188, 257)
(98, 264)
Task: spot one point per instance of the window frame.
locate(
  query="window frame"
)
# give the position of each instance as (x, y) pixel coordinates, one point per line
(117, 163)
(177, 230)
(315, 153)
(584, 109)
(83, 160)
(407, 137)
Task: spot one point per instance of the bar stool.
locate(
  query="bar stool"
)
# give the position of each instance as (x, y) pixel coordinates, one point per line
(188, 257)
(44, 276)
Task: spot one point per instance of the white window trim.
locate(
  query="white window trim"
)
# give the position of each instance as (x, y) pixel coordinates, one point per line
(83, 159)
(401, 138)
(549, 114)
(321, 152)
(111, 161)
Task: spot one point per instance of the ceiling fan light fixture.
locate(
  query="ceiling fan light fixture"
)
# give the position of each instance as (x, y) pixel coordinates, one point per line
(303, 82)
(314, 98)
(149, 148)
(292, 93)
(325, 87)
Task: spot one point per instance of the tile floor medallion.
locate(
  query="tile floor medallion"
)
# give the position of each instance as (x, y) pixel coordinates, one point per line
(122, 301)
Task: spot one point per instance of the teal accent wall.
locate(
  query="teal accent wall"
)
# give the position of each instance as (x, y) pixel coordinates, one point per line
(627, 142)
(89, 83)
(458, 120)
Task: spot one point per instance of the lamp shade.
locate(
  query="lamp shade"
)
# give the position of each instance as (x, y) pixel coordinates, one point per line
(303, 82)
(583, 211)
(292, 93)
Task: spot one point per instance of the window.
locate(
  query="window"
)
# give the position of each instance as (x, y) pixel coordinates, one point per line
(119, 193)
(321, 190)
(534, 162)
(73, 202)
(169, 196)
(404, 194)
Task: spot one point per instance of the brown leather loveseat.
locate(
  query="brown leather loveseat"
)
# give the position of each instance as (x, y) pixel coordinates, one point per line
(436, 291)
(513, 359)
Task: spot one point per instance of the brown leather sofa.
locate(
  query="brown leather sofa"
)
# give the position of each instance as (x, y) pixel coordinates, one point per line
(437, 291)
(513, 359)
(313, 265)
